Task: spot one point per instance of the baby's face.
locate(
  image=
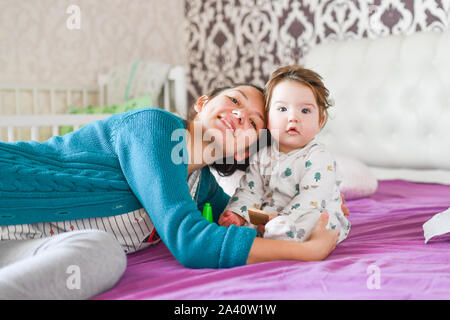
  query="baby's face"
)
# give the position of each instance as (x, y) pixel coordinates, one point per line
(293, 118)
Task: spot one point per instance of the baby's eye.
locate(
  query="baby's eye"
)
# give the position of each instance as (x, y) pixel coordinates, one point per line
(282, 109)
(306, 110)
(253, 124)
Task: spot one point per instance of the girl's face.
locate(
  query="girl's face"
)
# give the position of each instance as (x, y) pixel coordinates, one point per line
(232, 119)
(293, 118)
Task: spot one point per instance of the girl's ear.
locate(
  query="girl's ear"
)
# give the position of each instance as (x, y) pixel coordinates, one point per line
(199, 104)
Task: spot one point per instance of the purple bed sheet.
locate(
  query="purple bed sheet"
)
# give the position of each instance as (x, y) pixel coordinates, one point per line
(384, 257)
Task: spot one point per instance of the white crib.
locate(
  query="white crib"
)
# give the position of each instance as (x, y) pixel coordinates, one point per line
(37, 112)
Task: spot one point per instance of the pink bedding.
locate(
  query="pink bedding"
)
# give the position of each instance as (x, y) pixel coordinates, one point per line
(384, 257)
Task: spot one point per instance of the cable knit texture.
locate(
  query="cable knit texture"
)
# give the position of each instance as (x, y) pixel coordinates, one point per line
(114, 166)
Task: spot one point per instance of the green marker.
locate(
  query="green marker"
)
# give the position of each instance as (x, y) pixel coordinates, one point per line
(207, 212)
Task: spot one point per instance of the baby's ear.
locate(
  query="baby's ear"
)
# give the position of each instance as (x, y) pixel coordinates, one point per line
(322, 120)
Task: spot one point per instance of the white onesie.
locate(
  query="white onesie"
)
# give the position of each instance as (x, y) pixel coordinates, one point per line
(298, 186)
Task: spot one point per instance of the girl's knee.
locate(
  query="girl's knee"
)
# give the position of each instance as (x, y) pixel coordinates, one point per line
(107, 259)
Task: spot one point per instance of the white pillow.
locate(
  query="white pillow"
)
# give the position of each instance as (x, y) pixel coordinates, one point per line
(357, 179)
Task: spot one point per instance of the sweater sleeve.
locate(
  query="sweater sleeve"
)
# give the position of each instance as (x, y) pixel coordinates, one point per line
(150, 160)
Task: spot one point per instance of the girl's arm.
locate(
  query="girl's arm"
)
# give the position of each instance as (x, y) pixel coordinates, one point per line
(148, 158)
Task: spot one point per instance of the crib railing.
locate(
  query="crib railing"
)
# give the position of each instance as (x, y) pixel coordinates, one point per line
(26, 99)
(37, 112)
(34, 122)
(26, 108)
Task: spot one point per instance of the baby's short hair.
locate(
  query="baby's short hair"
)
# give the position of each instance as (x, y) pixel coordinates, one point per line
(301, 75)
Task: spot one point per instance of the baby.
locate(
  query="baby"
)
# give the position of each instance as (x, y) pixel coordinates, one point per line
(294, 179)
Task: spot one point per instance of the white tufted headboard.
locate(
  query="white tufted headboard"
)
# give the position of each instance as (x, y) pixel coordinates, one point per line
(392, 103)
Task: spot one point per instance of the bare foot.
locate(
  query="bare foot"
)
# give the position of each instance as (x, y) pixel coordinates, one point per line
(322, 241)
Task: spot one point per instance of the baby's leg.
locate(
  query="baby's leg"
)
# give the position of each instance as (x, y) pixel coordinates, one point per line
(71, 265)
(307, 222)
(290, 228)
(300, 228)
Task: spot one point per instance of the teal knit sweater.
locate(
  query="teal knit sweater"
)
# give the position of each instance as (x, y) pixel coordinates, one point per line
(115, 166)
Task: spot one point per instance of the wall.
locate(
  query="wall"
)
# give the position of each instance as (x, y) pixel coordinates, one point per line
(37, 46)
(242, 41)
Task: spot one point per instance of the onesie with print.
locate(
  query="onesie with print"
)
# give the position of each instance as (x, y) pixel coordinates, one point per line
(297, 186)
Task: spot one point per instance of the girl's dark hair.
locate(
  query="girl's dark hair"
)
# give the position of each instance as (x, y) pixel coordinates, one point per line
(227, 166)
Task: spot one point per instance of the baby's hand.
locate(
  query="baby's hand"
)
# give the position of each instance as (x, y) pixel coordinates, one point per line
(229, 217)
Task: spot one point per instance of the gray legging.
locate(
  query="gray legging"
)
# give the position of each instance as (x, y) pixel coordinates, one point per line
(71, 265)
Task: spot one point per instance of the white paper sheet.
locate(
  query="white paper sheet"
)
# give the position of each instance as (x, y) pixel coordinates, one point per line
(438, 225)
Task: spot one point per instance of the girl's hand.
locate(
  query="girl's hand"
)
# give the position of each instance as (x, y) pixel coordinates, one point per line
(344, 207)
(322, 241)
(229, 217)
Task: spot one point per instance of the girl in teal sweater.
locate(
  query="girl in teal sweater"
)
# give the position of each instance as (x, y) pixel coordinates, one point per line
(147, 161)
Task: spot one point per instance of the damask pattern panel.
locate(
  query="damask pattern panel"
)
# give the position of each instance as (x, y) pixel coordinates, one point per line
(244, 41)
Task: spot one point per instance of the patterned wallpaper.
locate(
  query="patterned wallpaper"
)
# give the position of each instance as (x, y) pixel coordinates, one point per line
(38, 41)
(244, 41)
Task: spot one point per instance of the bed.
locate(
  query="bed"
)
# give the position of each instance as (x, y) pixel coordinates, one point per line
(384, 257)
(392, 110)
